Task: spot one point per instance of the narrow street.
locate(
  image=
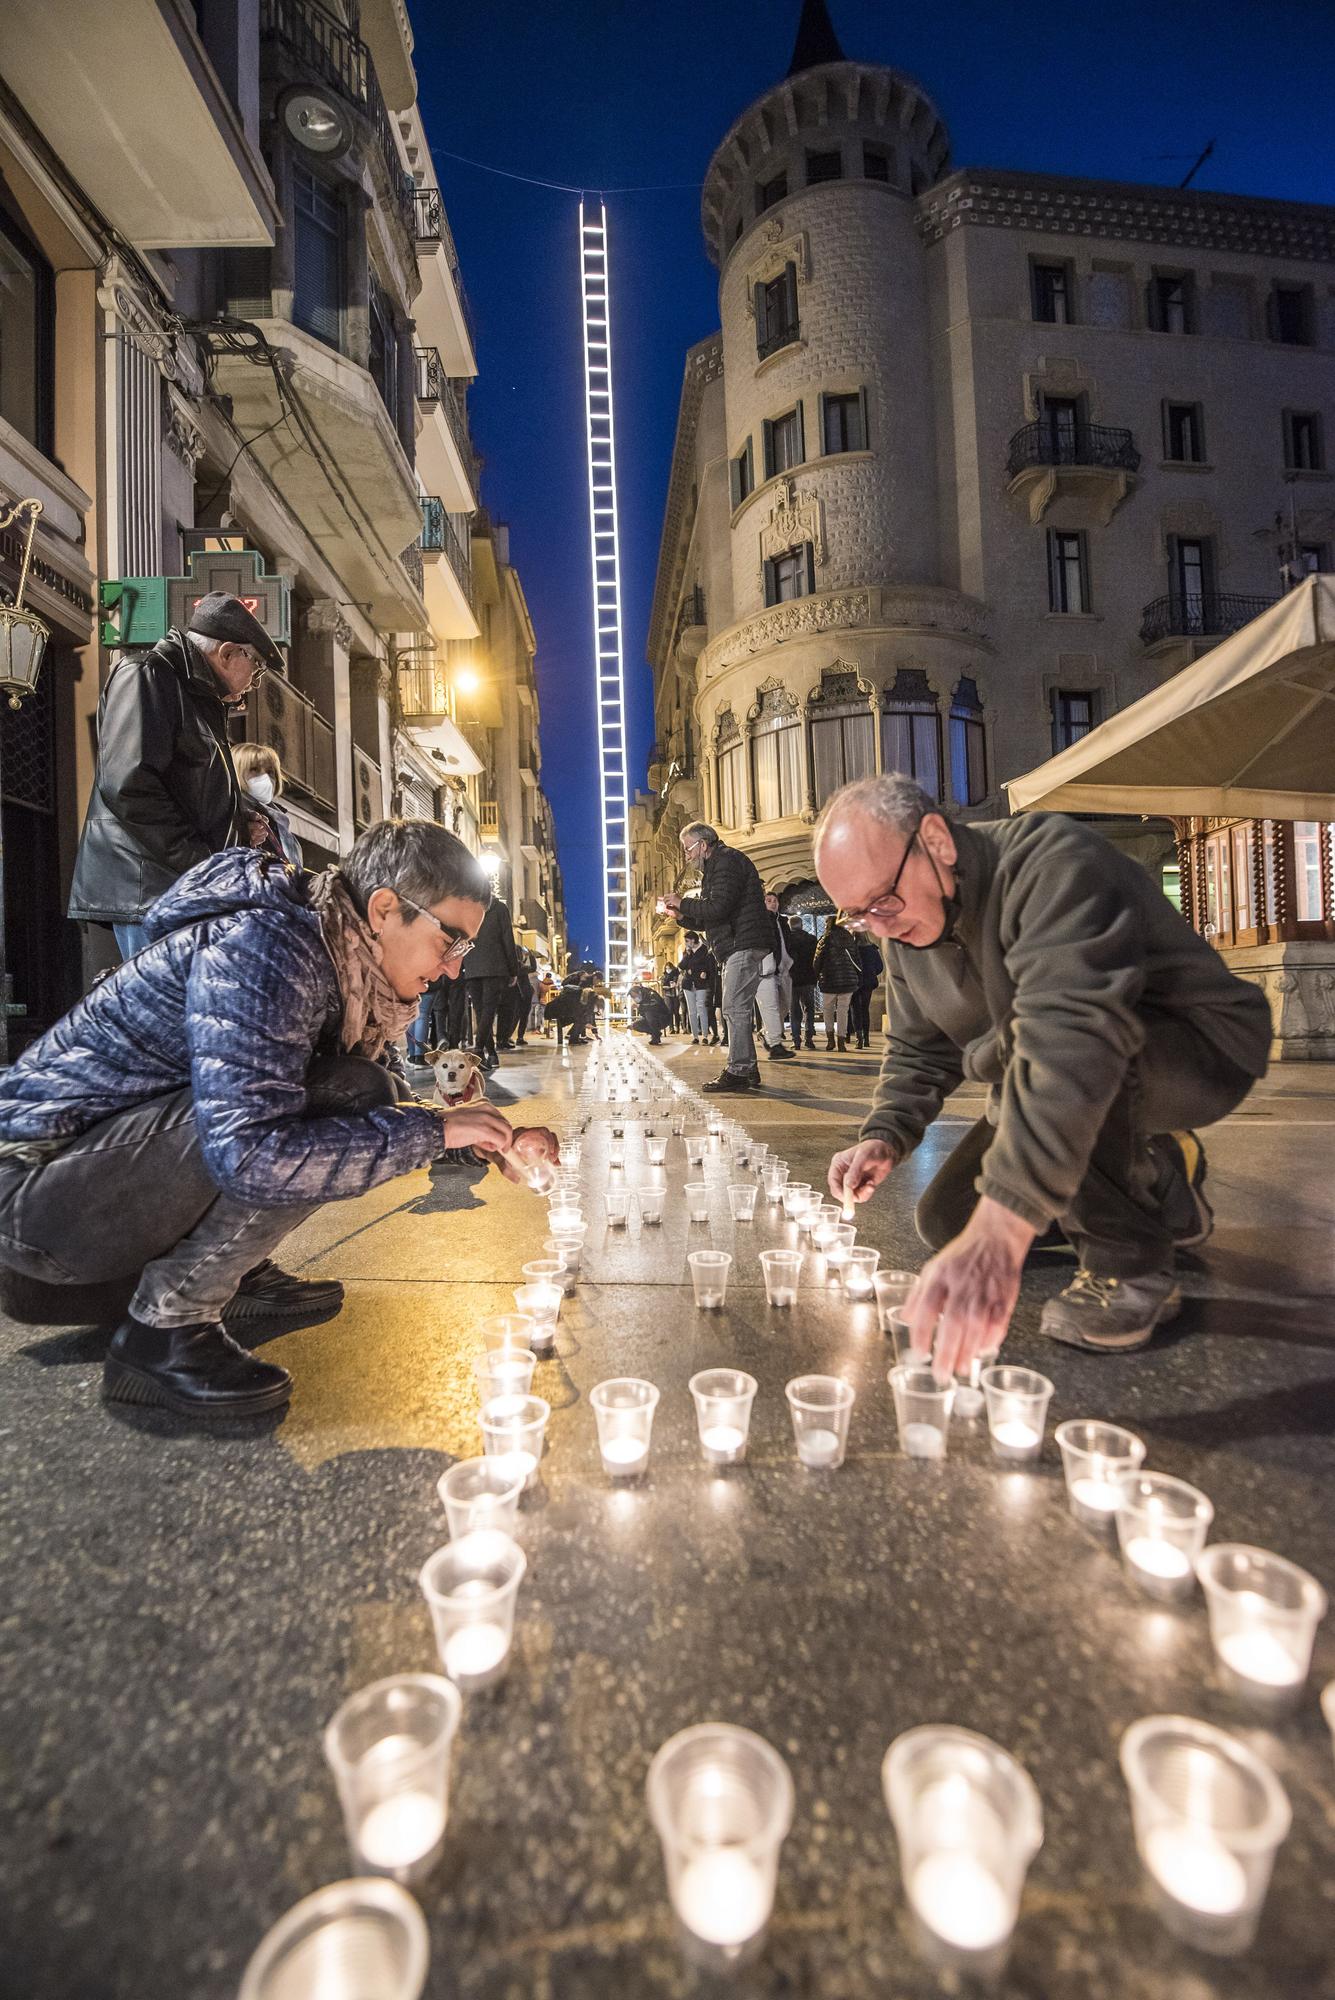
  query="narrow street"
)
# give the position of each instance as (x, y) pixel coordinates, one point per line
(185, 1610)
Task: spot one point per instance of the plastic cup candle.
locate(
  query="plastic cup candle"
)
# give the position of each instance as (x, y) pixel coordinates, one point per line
(504, 1371)
(891, 1290)
(695, 1152)
(617, 1204)
(507, 1330)
(969, 1399)
(842, 1239)
(821, 1223)
(794, 1197)
(542, 1303)
(1263, 1613)
(697, 1201)
(821, 1406)
(859, 1268)
(922, 1411)
(776, 1179)
(780, 1270)
(742, 1200)
(471, 1587)
(723, 1399)
(480, 1493)
(1017, 1406)
(563, 1216)
(1096, 1457)
(1209, 1817)
(1161, 1528)
(624, 1412)
(616, 1153)
(968, 1821)
(655, 1151)
(571, 1151)
(721, 1801)
(759, 1155)
(568, 1265)
(359, 1940)
(709, 1275)
(651, 1205)
(389, 1749)
(512, 1430)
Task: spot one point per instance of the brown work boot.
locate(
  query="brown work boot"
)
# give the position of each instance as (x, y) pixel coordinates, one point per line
(1111, 1315)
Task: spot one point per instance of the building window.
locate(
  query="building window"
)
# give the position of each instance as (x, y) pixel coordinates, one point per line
(875, 164)
(318, 258)
(1313, 558)
(968, 745)
(27, 327)
(771, 191)
(776, 312)
(1074, 713)
(1068, 571)
(1063, 421)
(776, 757)
(785, 445)
(1191, 582)
(1309, 902)
(383, 359)
(728, 773)
(793, 574)
(1171, 303)
(1291, 315)
(824, 167)
(911, 730)
(844, 422)
(1183, 433)
(743, 472)
(1050, 286)
(1303, 444)
(843, 732)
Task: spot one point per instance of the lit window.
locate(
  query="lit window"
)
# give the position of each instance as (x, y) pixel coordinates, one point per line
(1068, 572)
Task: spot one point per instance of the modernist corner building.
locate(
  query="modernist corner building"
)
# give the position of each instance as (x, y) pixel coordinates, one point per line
(975, 459)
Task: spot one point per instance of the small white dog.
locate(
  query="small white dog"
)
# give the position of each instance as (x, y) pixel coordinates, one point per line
(458, 1074)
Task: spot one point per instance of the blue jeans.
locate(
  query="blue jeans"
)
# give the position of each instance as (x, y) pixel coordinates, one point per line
(697, 1010)
(419, 1035)
(130, 938)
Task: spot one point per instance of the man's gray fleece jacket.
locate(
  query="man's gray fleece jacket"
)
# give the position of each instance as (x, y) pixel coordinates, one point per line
(1063, 956)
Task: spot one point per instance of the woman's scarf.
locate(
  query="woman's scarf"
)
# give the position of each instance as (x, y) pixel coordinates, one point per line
(373, 1014)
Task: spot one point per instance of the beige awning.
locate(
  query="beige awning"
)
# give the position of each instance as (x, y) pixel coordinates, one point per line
(1248, 729)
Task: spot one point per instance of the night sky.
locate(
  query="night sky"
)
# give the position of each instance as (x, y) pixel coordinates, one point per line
(620, 95)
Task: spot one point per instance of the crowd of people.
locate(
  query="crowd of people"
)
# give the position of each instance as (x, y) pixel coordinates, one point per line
(240, 1066)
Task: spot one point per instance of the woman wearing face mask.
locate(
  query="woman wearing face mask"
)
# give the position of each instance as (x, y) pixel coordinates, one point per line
(261, 778)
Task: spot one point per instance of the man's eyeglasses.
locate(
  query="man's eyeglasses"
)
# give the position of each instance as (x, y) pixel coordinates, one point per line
(459, 946)
(889, 903)
(259, 667)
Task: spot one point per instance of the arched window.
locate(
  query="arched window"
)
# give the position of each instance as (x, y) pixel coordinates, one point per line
(729, 789)
(843, 732)
(911, 730)
(776, 755)
(968, 745)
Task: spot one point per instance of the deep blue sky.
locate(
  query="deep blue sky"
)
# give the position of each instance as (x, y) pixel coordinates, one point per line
(629, 92)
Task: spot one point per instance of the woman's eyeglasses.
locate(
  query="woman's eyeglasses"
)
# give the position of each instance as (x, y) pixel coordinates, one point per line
(459, 946)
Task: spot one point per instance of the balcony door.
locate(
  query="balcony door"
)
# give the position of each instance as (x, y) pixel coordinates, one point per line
(1191, 582)
(1062, 425)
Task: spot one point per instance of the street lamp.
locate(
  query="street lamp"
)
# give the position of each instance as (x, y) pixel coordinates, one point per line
(23, 636)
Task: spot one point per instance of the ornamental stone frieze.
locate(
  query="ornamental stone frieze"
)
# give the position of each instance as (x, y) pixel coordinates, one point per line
(143, 325)
(888, 607)
(780, 250)
(183, 435)
(794, 518)
(799, 620)
(324, 619)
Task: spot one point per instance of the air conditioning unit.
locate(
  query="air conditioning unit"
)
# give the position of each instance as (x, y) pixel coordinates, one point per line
(276, 714)
(367, 806)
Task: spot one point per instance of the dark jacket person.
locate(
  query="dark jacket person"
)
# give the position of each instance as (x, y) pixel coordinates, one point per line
(165, 793)
(730, 909)
(492, 965)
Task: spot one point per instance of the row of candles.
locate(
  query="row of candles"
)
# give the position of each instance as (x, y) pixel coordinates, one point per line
(1208, 1813)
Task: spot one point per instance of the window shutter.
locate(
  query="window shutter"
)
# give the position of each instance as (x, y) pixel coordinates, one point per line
(811, 566)
(790, 293)
(762, 330)
(1174, 571)
(735, 476)
(771, 584)
(1207, 566)
(1086, 582)
(1166, 425)
(801, 436)
(864, 442)
(1054, 580)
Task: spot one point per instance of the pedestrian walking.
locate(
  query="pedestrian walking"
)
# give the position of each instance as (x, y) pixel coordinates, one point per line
(672, 995)
(859, 1012)
(165, 792)
(516, 1002)
(774, 993)
(802, 948)
(493, 968)
(1031, 955)
(731, 909)
(838, 975)
(209, 1095)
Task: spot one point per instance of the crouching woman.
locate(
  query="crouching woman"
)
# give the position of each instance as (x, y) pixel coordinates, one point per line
(227, 1080)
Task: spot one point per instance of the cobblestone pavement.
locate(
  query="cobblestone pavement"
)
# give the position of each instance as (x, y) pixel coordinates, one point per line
(183, 1611)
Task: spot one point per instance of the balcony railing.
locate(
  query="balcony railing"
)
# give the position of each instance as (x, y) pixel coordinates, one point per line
(1044, 443)
(441, 537)
(779, 336)
(489, 818)
(1212, 615)
(412, 562)
(535, 916)
(435, 386)
(423, 690)
(432, 226)
(323, 44)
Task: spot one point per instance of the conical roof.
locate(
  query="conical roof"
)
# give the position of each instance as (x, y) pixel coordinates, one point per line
(816, 41)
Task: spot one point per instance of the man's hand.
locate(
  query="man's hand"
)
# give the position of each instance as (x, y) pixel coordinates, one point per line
(856, 1173)
(478, 1125)
(672, 904)
(962, 1303)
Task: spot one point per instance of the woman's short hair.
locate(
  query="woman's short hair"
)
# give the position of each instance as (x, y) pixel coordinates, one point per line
(417, 859)
(257, 760)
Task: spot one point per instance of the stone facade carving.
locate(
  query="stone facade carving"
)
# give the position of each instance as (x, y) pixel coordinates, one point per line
(324, 619)
(802, 619)
(183, 436)
(780, 250)
(139, 319)
(794, 518)
(1147, 215)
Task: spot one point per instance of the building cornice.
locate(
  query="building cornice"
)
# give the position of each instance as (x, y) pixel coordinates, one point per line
(704, 363)
(1185, 218)
(921, 609)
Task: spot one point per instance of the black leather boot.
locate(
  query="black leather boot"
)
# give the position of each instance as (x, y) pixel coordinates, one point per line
(269, 1293)
(196, 1371)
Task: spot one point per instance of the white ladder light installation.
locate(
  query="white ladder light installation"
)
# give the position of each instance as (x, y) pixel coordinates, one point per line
(606, 595)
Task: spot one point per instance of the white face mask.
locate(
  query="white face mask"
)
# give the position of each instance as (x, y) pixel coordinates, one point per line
(261, 788)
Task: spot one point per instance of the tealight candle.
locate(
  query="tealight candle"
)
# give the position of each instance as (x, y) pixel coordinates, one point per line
(1161, 1528)
(1156, 1558)
(961, 1901)
(1264, 1612)
(471, 1587)
(1195, 1869)
(1017, 1403)
(624, 1412)
(722, 1897)
(472, 1651)
(399, 1831)
(721, 1801)
(389, 1749)
(1095, 1495)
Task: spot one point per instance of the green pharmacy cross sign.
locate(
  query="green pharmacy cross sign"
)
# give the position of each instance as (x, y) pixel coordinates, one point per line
(140, 610)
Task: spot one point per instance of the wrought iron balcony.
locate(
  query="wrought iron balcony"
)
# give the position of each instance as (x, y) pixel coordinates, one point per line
(435, 386)
(489, 818)
(1045, 443)
(322, 44)
(412, 562)
(441, 537)
(431, 225)
(1211, 615)
(781, 336)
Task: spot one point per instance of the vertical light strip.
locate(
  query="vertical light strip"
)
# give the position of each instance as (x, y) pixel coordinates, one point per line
(606, 560)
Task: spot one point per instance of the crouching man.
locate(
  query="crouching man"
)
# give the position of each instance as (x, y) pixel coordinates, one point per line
(231, 1077)
(1030, 955)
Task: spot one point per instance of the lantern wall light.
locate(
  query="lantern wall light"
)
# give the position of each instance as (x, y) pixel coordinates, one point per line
(23, 635)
